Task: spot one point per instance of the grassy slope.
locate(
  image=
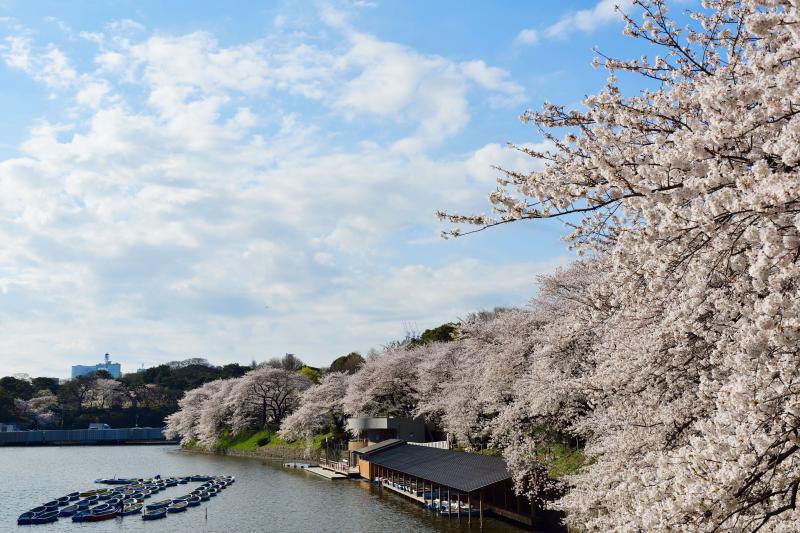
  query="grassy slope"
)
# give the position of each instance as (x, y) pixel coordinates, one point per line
(249, 440)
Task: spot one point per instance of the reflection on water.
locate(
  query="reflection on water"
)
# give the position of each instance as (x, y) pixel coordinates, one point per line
(265, 497)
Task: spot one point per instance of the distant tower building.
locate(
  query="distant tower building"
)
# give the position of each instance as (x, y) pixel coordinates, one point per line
(114, 369)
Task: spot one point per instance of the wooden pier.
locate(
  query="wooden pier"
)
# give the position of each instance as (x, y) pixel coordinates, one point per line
(328, 474)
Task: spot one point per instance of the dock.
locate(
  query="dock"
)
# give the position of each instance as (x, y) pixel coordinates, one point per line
(328, 474)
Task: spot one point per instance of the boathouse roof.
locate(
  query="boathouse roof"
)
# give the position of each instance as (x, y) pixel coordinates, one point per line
(458, 470)
(384, 444)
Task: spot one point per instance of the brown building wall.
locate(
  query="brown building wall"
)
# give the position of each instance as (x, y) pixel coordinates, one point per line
(365, 469)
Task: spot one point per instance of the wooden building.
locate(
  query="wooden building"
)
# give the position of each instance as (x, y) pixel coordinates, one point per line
(464, 486)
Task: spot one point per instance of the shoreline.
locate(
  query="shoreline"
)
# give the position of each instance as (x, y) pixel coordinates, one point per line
(274, 453)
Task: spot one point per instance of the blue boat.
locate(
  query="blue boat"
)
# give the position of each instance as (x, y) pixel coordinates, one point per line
(154, 514)
(158, 505)
(80, 516)
(69, 510)
(25, 518)
(178, 507)
(102, 508)
(131, 509)
(193, 501)
(115, 481)
(45, 517)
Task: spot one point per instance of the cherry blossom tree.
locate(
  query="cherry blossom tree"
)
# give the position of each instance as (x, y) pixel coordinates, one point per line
(265, 395)
(321, 406)
(385, 385)
(690, 189)
(185, 423)
(41, 409)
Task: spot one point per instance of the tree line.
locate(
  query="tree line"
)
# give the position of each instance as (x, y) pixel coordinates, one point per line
(670, 352)
(138, 399)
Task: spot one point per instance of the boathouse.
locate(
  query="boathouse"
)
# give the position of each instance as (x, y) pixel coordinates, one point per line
(458, 484)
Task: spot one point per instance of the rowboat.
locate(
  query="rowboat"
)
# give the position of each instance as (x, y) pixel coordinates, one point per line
(38, 510)
(80, 516)
(193, 501)
(73, 496)
(69, 510)
(102, 508)
(62, 501)
(45, 517)
(51, 505)
(128, 510)
(154, 514)
(25, 518)
(158, 505)
(99, 517)
(115, 481)
(178, 507)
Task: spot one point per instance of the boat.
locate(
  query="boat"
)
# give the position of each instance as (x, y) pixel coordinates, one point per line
(25, 518)
(204, 496)
(193, 501)
(51, 505)
(38, 510)
(183, 481)
(158, 505)
(177, 507)
(101, 508)
(45, 517)
(128, 510)
(105, 515)
(115, 481)
(62, 501)
(73, 496)
(154, 514)
(81, 515)
(69, 510)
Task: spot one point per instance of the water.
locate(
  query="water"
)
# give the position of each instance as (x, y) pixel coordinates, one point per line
(265, 497)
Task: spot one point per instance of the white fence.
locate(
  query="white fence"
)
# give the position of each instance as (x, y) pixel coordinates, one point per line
(441, 444)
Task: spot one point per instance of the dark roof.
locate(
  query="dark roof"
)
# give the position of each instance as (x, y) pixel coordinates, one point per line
(388, 443)
(458, 470)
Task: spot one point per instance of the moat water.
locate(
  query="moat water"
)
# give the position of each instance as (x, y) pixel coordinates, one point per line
(265, 498)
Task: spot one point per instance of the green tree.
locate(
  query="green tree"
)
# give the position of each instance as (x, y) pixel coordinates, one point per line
(349, 363)
(313, 374)
(17, 388)
(443, 333)
(50, 384)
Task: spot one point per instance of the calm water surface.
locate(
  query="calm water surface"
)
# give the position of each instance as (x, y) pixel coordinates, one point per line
(265, 497)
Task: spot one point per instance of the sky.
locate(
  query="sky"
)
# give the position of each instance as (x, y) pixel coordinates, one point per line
(239, 180)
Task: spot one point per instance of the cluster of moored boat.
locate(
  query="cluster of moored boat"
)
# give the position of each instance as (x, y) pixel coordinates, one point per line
(436, 500)
(126, 499)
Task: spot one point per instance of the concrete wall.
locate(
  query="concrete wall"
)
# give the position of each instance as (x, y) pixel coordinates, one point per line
(81, 436)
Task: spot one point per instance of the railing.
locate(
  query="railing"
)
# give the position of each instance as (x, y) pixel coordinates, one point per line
(338, 466)
(441, 444)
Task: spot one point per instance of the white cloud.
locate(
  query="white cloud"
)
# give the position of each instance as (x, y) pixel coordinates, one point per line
(186, 208)
(587, 20)
(528, 37)
(50, 66)
(481, 165)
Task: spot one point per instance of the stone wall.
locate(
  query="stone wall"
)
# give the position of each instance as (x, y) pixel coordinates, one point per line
(271, 452)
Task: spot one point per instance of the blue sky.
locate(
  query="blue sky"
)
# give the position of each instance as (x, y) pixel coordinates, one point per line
(220, 180)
